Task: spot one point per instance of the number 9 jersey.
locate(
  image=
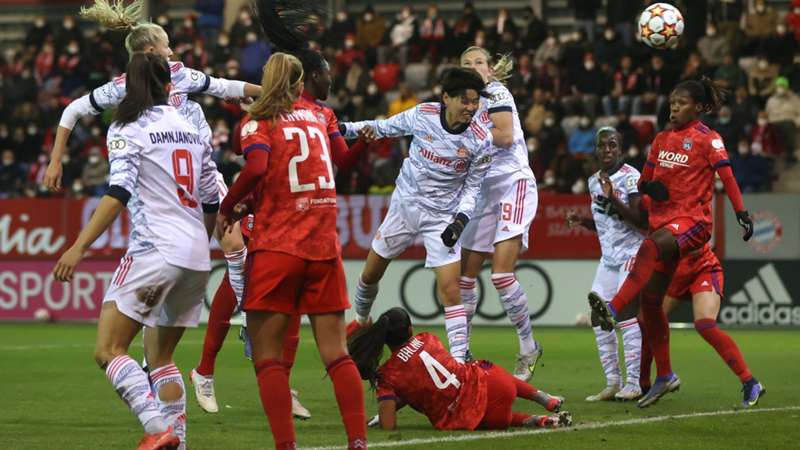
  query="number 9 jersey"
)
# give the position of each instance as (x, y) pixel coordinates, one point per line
(295, 200)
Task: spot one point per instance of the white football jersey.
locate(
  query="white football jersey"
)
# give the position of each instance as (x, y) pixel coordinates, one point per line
(166, 166)
(619, 241)
(444, 168)
(511, 162)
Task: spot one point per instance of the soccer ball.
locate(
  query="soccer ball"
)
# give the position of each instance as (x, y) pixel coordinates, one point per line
(660, 26)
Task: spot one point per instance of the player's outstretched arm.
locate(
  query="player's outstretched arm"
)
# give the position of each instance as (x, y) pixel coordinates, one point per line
(398, 125)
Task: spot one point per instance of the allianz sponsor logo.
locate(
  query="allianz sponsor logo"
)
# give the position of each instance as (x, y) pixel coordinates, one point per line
(763, 300)
(670, 159)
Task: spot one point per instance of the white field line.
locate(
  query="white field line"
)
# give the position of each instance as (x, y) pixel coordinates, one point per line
(585, 426)
(12, 348)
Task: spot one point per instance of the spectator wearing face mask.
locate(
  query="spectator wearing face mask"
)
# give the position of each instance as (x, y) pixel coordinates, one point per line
(783, 111)
(766, 137)
(433, 31)
(549, 50)
(728, 127)
(243, 25)
(752, 170)
(759, 24)
(793, 19)
(403, 34)
(252, 58)
(374, 103)
(370, 29)
(761, 79)
(624, 85)
(729, 75)
(781, 46)
(95, 173)
(12, 176)
(581, 141)
(713, 47)
(608, 50)
(586, 15)
(588, 85)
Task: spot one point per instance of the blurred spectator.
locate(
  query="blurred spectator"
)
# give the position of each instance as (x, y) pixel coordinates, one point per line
(68, 31)
(550, 50)
(433, 32)
(210, 20)
(374, 103)
(793, 19)
(761, 79)
(534, 30)
(222, 50)
(551, 80)
(503, 35)
(587, 87)
(465, 29)
(759, 24)
(608, 50)
(695, 67)
(783, 111)
(586, 15)
(536, 113)
(342, 26)
(12, 176)
(357, 78)
(729, 75)
(551, 139)
(407, 99)
(751, 169)
(386, 75)
(37, 34)
(252, 58)
(403, 33)
(744, 107)
(781, 46)
(626, 83)
(187, 33)
(71, 66)
(728, 127)
(621, 16)
(243, 25)
(766, 137)
(713, 47)
(95, 173)
(370, 29)
(581, 141)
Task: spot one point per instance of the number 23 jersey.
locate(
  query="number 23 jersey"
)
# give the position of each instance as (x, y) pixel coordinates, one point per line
(424, 375)
(295, 210)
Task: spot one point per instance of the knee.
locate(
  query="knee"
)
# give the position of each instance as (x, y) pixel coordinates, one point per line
(369, 277)
(702, 325)
(451, 293)
(330, 355)
(104, 354)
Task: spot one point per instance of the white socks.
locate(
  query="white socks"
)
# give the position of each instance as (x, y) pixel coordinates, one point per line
(455, 322)
(174, 412)
(133, 387)
(236, 262)
(607, 349)
(469, 298)
(632, 344)
(364, 298)
(515, 303)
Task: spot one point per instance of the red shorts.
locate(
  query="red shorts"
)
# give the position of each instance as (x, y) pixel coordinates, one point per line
(697, 272)
(501, 391)
(690, 233)
(279, 282)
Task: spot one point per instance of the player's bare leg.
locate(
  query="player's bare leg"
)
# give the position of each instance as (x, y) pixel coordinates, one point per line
(115, 332)
(515, 304)
(471, 265)
(455, 318)
(705, 306)
(367, 289)
(159, 344)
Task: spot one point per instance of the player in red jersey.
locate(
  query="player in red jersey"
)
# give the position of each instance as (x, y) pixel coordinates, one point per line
(454, 396)
(679, 177)
(699, 278)
(294, 262)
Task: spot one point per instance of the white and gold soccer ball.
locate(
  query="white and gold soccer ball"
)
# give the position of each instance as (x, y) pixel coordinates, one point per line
(661, 26)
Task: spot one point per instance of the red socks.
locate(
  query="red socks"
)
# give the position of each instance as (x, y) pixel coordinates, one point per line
(519, 419)
(219, 322)
(525, 390)
(273, 388)
(290, 343)
(725, 347)
(657, 331)
(647, 359)
(350, 397)
(643, 267)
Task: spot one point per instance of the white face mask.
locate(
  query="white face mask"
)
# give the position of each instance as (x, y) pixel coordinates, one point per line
(633, 152)
(609, 35)
(94, 159)
(368, 17)
(762, 122)
(744, 149)
(549, 180)
(549, 121)
(579, 187)
(588, 65)
(584, 122)
(763, 64)
(8, 161)
(372, 89)
(780, 90)
(532, 146)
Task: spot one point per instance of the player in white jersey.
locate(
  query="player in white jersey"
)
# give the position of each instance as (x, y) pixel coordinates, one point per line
(617, 218)
(435, 194)
(161, 169)
(506, 208)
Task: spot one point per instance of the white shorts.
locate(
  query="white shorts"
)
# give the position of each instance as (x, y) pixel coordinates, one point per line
(505, 210)
(608, 279)
(153, 292)
(404, 223)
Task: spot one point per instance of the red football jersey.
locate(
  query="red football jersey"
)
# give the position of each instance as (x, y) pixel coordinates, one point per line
(424, 375)
(295, 210)
(685, 160)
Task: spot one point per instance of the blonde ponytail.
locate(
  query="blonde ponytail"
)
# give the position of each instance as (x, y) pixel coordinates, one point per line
(283, 73)
(501, 71)
(113, 14)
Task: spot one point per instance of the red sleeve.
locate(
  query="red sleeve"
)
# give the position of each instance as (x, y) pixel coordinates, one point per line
(384, 392)
(343, 157)
(715, 152)
(731, 187)
(650, 164)
(256, 149)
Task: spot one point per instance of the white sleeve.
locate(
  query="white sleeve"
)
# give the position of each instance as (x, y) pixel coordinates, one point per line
(632, 183)
(477, 170)
(209, 191)
(499, 100)
(398, 125)
(77, 109)
(194, 81)
(224, 88)
(124, 155)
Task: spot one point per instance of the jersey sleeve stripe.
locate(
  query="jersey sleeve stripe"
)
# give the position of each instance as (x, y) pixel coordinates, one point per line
(650, 163)
(252, 147)
(387, 397)
(722, 163)
(497, 109)
(94, 102)
(206, 83)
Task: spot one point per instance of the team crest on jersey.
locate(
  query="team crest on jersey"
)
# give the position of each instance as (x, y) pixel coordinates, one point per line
(117, 144)
(175, 100)
(630, 182)
(687, 144)
(302, 204)
(460, 165)
(485, 117)
(462, 153)
(429, 137)
(249, 128)
(718, 145)
(320, 117)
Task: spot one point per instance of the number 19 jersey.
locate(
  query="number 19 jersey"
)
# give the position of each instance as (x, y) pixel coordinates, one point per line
(423, 374)
(295, 210)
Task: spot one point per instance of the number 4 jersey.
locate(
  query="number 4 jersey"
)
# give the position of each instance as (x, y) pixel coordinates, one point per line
(163, 168)
(295, 197)
(422, 374)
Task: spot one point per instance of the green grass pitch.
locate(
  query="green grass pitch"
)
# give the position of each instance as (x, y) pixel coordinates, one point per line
(54, 397)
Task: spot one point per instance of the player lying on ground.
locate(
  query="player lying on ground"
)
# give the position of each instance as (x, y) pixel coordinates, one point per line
(161, 281)
(699, 278)
(453, 396)
(617, 217)
(679, 176)
(435, 194)
(295, 264)
(505, 209)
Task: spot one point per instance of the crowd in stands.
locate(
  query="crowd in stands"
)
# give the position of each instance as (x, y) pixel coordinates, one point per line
(566, 85)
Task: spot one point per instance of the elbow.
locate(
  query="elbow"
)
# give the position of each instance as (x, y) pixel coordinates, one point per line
(503, 140)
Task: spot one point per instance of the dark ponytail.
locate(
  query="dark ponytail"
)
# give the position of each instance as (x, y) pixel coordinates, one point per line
(145, 79)
(392, 328)
(704, 91)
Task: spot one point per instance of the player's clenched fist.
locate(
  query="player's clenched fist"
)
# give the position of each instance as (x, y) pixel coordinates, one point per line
(453, 231)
